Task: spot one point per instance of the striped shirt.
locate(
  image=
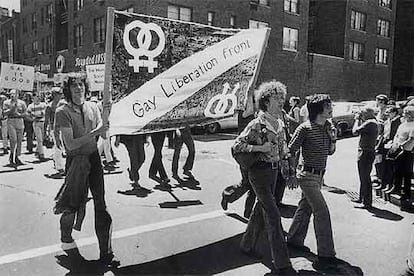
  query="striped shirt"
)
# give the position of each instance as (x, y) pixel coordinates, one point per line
(37, 111)
(315, 144)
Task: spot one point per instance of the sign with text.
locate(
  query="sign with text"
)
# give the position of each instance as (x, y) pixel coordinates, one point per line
(96, 76)
(167, 73)
(16, 76)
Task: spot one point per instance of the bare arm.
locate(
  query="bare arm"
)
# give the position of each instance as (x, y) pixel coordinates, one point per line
(74, 143)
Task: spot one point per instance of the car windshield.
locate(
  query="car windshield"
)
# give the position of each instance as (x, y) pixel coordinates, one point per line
(340, 109)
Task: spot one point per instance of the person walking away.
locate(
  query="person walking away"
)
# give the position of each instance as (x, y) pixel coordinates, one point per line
(53, 131)
(316, 140)
(135, 147)
(15, 110)
(303, 112)
(264, 138)
(80, 123)
(183, 135)
(404, 140)
(36, 111)
(157, 166)
(366, 126)
(3, 126)
(293, 114)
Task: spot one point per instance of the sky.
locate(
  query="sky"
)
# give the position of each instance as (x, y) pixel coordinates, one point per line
(10, 4)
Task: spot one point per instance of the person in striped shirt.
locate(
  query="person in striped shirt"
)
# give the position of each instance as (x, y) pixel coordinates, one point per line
(316, 139)
(37, 110)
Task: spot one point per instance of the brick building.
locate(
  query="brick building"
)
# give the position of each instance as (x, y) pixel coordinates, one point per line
(403, 63)
(9, 36)
(71, 34)
(351, 47)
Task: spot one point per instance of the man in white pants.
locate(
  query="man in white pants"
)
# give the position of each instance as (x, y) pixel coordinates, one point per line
(3, 126)
(37, 110)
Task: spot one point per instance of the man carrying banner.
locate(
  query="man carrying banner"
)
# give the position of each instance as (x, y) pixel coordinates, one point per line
(80, 123)
(15, 109)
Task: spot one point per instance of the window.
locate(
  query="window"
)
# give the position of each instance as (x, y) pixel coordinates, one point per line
(381, 56)
(210, 18)
(356, 51)
(49, 13)
(99, 29)
(78, 4)
(385, 3)
(290, 39)
(233, 21)
(179, 13)
(34, 23)
(383, 27)
(291, 6)
(253, 24)
(78, 41)
(358, 20)
(34, 47)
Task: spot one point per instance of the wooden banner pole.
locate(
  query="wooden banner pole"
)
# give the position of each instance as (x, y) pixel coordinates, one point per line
(110, 17)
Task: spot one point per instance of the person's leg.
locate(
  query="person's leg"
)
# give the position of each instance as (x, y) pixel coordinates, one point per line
(38, 130)
(66, 225)
(107, 149)
(189, 143)
(13, 140)
(103, 220)
(365, 162)
(57, 157)
(321, 217)
(262, 181)
(156, 164)
(4, 133)
(19, 136)
(178, 144)
(132, 148)
(279, 188)
(399, 175)
(408, 171)
(28, 128)
(300, 224)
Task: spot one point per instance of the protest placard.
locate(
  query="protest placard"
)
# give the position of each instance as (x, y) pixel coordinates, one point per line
(96, 76)
(16, 76)
(167, 73)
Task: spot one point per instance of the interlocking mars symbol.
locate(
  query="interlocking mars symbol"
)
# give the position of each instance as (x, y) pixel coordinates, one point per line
(144, 40)
(224, 103)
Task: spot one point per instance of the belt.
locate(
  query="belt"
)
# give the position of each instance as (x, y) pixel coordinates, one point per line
(265, 165)
(13, 117)
(320, 172)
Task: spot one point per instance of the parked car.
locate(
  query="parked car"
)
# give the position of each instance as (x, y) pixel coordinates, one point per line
(226, 123)
(343, 115)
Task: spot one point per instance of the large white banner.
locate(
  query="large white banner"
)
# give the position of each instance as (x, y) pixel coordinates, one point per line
(16, 76)
(169, 73)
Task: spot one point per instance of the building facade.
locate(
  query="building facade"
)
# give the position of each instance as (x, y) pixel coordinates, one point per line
(342, 47)
(403, 59)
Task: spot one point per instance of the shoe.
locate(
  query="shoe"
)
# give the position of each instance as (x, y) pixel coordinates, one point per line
(165, 181)
(18, 161)
(42, 158)
(11, 159)
(299, 247)
(5, 151)
(109, 260)
(68, 245)
(224, 203)
(175, 176)
(109, 167)
(356, 200)
(326, 263)
(188, 173)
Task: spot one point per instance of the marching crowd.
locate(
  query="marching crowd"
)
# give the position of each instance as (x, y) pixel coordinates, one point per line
(275, 149)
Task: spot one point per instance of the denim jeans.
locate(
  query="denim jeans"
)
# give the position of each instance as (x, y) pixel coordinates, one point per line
(312, 202)
(266, 214)
(187, 139)
(135, 147)
(365, 161)
(103, 220)
(157, 166)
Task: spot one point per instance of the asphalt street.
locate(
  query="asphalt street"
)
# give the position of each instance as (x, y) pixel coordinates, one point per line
(183, 230)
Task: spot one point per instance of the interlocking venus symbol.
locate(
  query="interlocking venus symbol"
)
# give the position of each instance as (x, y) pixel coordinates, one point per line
(144, 39)
(222, 102)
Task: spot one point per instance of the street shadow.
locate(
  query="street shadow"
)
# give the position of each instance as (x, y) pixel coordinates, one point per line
(207, 260)
(287, 210)
(334, 190)
(37, 161)
(54, 175)
(136, 191)
(384, 214)
(238, 217)
(73, 261)
(15, 168)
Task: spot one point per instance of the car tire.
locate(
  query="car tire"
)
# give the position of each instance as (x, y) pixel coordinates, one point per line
(213, 128)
